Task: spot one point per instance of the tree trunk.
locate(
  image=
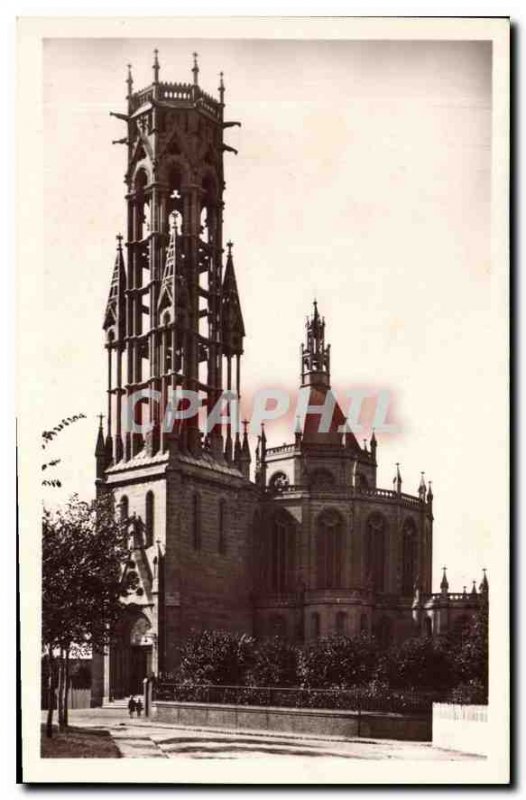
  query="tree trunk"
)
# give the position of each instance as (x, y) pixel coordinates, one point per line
(50, 694)
(61, 690)
(66, 688)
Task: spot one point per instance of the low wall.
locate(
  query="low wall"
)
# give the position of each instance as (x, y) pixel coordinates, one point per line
(463, 728)
(348, 724)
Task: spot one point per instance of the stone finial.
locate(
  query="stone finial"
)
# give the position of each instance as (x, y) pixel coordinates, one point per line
(129, 81)
(397, 480)
(156, 66)
(195, 69)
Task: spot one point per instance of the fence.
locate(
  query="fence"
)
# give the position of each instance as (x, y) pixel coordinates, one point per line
(77, 698)
(355, 699)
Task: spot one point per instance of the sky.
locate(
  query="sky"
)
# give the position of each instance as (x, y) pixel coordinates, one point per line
(363, 179)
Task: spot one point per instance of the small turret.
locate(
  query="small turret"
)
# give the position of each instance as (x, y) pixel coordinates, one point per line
(237, 451)
(484, 586)
(101, 455)
(221, 89)
(315, 355)
(374, 445)
(195, 69)
(430, 495)
(422, 488)
(156, 66)
(444, 583)
(228, 445)
(129, 83)
(397, 480)
(474, 589)
(245, 452)
(297, 432)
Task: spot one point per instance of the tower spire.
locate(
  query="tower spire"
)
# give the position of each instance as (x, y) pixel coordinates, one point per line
(221, 89)
(156, 66)
(444, 583)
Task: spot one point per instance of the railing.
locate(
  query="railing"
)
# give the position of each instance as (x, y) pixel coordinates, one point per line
(282, 448)
(357, 699)
(386, 494)
(178, 92)
(456, 596)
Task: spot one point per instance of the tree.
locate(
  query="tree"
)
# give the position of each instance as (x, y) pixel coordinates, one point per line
(469, 648)
(84, 551)
(47, 438)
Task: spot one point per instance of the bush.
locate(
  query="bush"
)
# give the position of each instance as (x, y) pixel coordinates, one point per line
(335, 672)
(214, 658)
(419, 664)
(338, 661)
(274, 663)
(471, 693)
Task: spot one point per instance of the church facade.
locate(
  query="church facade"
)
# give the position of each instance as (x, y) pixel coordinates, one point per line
(307, 547)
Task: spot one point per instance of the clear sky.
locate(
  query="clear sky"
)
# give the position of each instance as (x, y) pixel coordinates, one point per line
(363, 178)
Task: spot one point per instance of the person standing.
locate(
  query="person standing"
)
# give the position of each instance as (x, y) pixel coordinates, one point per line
(132, 705)
(138, 706)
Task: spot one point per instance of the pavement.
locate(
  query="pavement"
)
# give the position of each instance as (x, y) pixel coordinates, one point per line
(142, 738)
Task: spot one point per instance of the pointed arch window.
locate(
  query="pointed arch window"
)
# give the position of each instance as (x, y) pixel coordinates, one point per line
(282, 553)
(149, 517)
(409, 553)
(196, 522)
(329, 555)
(375, 552)
(315, 625)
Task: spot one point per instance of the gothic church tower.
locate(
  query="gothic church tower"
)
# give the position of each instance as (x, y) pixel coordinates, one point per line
(173, 322)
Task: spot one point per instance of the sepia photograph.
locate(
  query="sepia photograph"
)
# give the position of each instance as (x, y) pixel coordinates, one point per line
(265, 539)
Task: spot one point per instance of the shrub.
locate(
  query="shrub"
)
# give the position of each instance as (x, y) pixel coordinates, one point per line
(471, 693)
(274, 663)
(214, 658)
(338, 661)
(422, 664)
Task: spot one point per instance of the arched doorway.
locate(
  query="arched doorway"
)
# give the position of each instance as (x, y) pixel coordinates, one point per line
(130, 654)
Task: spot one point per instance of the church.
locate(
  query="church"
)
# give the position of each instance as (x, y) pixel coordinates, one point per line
(296, 540)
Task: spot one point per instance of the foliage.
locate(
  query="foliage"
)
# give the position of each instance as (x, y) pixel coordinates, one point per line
(469, 648)
(274, 663)
(338, 661)
(334, 672)
(84, 550)
(471, 693)
(47, 438)
(423, 663)
(214, 657)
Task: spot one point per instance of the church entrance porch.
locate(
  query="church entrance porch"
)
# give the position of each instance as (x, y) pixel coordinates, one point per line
(130, 655)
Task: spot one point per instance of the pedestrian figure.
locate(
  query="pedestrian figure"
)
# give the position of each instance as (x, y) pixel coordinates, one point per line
(138, 706)
(132, 705)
